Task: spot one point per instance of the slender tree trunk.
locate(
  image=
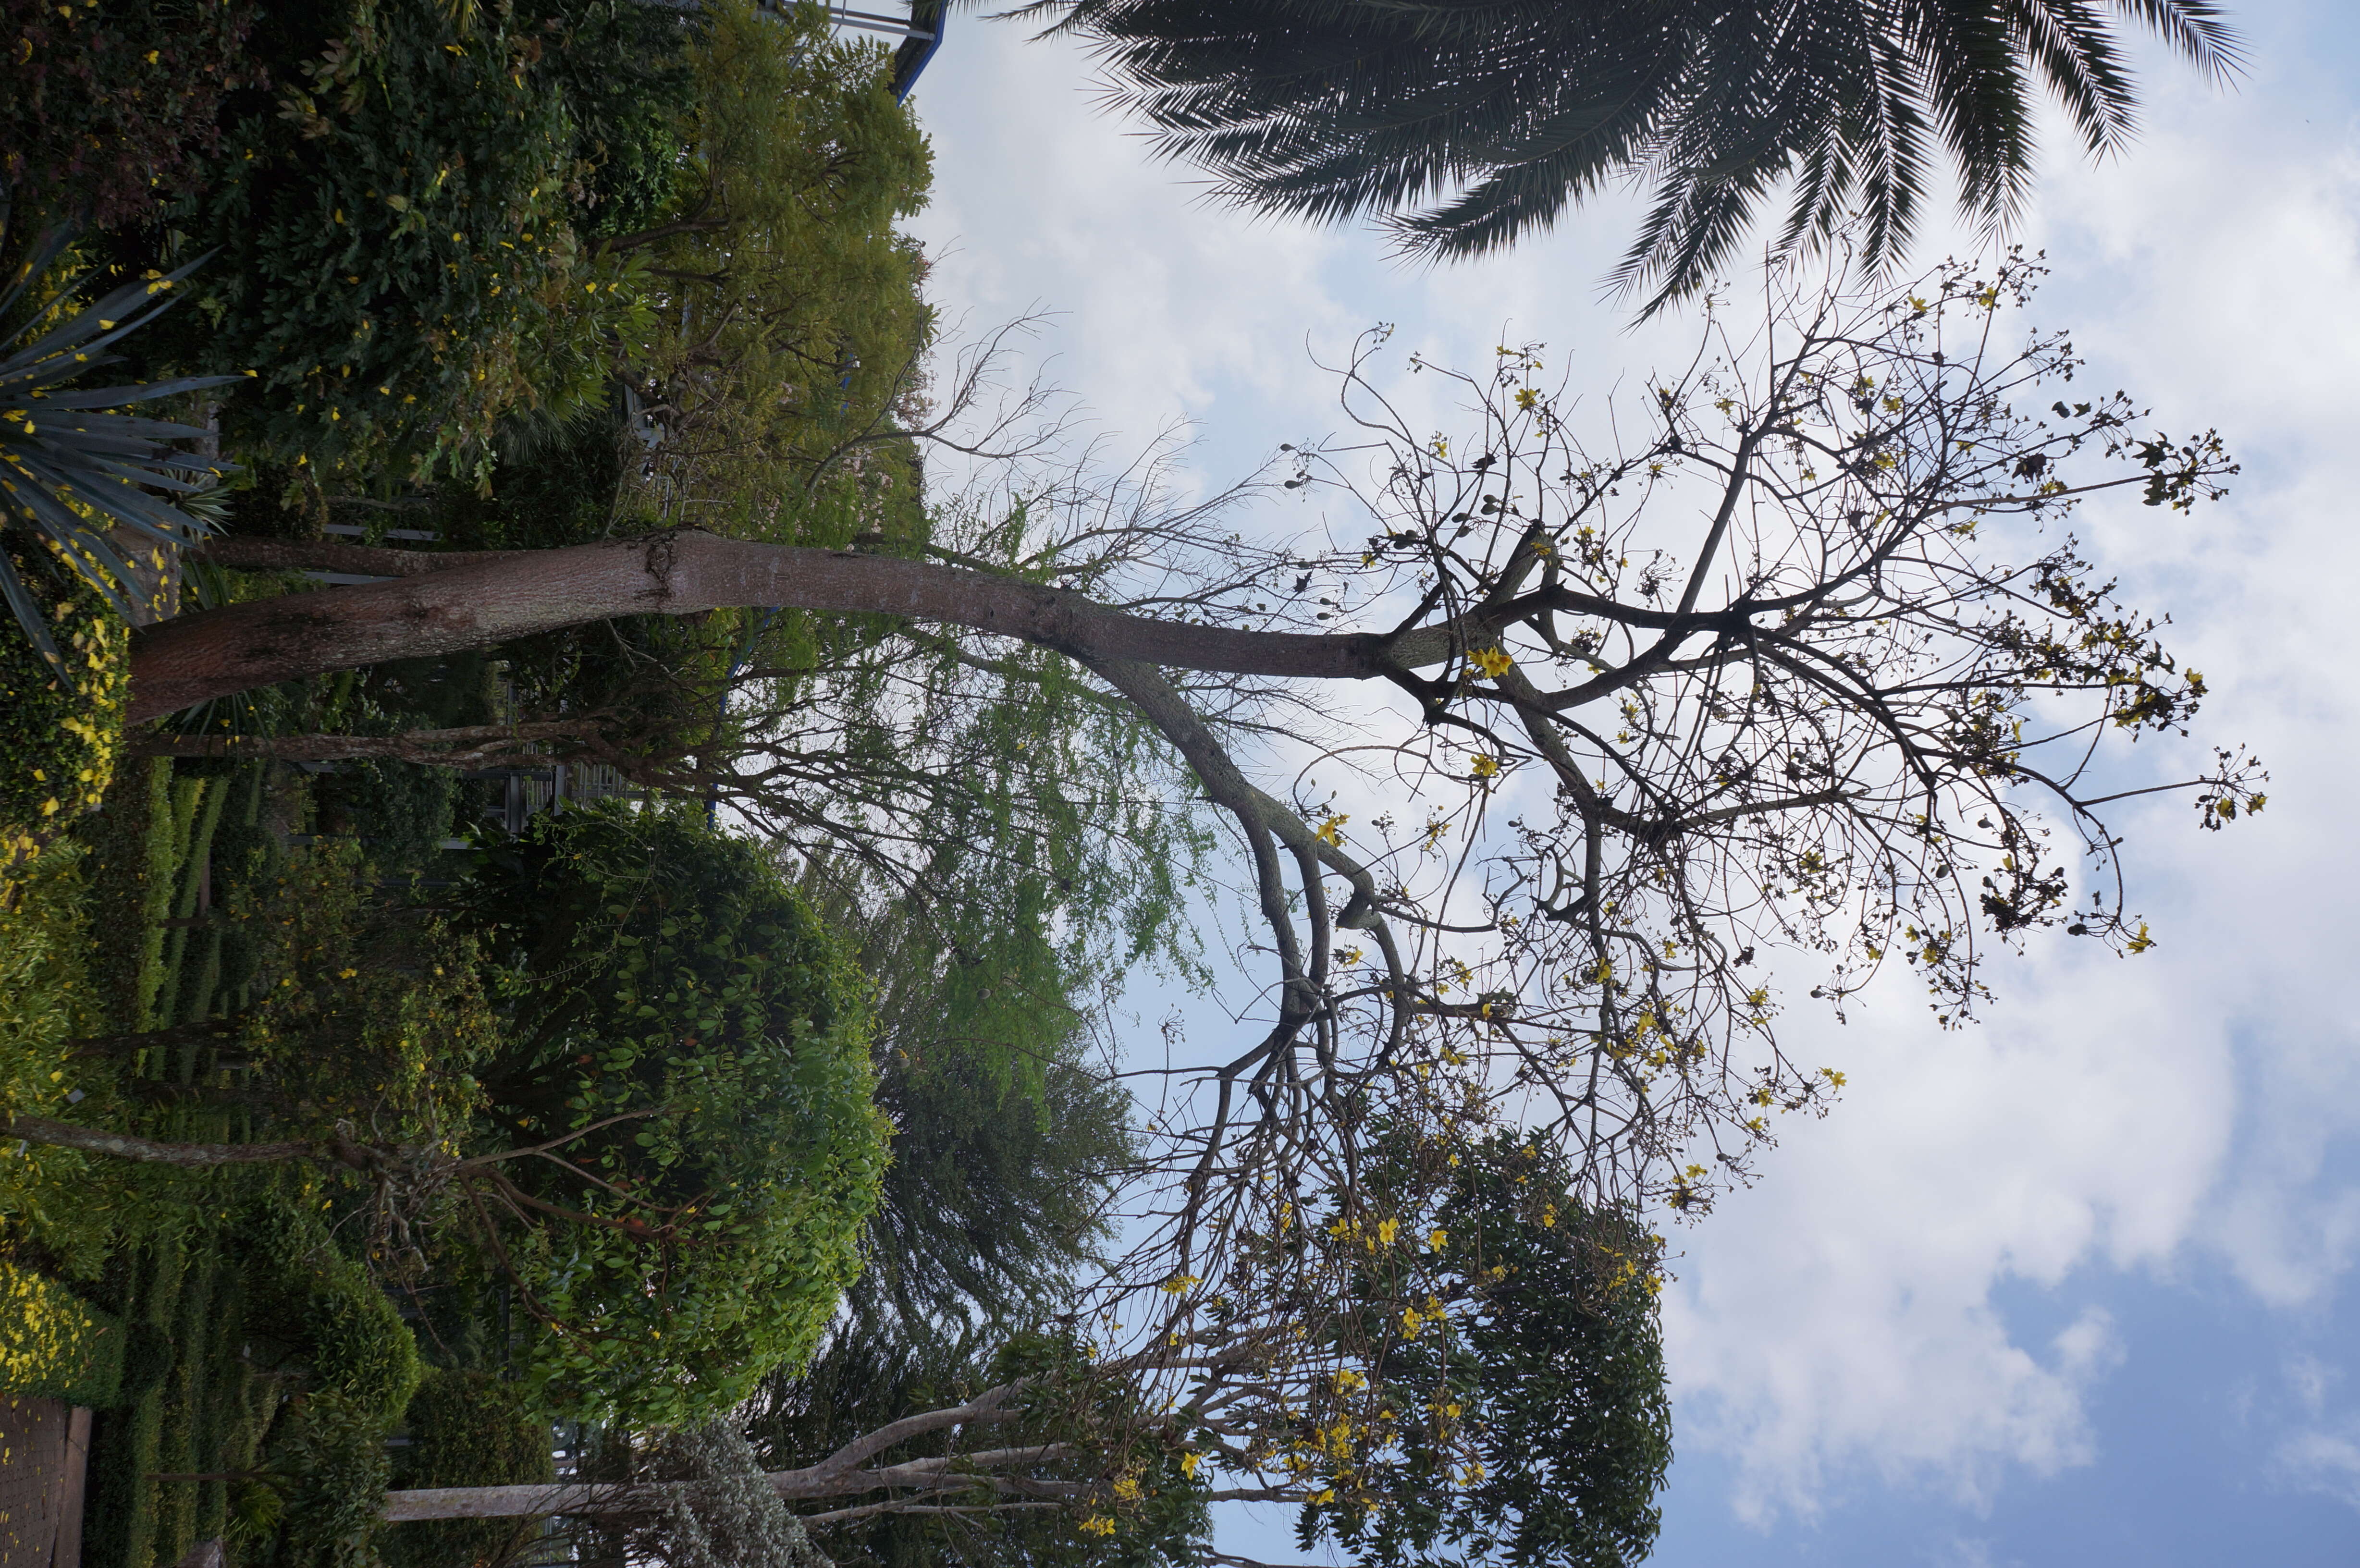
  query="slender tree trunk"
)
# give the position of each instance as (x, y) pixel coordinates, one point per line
(131, 1146)
(524, 1502)
(191, 659)
(469, 745)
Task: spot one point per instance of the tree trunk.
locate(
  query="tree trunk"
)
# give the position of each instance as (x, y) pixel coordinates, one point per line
(490, 598)
(131, 1146)
(470, 745)
(524, 1502)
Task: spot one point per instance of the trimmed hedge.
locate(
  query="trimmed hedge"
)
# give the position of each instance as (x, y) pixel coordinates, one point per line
(316, 1299)
(659, 971)
(54, 1345)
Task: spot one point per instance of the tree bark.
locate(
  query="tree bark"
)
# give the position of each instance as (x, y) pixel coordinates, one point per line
(620, 1498)
(490, 598)
(329, 555)
(470, 745)
(131, 1146)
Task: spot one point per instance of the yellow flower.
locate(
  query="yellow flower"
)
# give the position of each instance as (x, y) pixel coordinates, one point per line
(1331, 831)
(1493, 662)
(1486, 767)
(1526, 398)
(1435, 1240)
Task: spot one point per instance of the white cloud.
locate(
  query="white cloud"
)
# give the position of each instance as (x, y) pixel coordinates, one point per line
(2166, 1116)
(2322, 1454)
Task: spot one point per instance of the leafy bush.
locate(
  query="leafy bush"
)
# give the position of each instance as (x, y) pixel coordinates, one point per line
(805, 160)
(1561, 1434)
(402, 811)
(659, 971)
(396, 258)
(53, 1345)
(45, 1000)
(104, 108)
(327, 1458)
(373, 1013)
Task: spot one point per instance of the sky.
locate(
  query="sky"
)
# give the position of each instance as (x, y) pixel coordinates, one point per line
(2076, 1284)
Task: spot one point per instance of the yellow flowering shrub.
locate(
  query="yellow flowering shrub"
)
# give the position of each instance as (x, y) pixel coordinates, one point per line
(57, 741)
(53, 1345)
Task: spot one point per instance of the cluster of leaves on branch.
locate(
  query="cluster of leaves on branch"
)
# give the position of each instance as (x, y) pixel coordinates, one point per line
(109, 111)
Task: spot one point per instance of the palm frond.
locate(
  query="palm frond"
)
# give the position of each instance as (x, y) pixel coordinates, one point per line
(72, 466)
(1463, 125)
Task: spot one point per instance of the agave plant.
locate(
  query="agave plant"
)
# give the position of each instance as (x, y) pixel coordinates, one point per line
(72, 466)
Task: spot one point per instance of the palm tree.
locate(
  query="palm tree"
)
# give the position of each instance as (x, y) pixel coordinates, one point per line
(1469, 124)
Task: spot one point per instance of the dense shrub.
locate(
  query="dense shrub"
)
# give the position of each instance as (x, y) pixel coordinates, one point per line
(105, 107)
(656, 969)
(53, 1345)
(372, 1012)
(396, 259)
(402, 811)
(327, 1453)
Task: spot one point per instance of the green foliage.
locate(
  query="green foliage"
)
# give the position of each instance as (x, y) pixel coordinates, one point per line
(1532, 1430)
(46, 999)
(104, 108)
(191, 1403)
(401, 811)
(59, 738)
(396, 259)
(790, 321)
(469, 1428)
(371, 1013)
(661, 972)
(327, 1458)
(621, 70)
(54, 1345)
(127, 839)
(1005, 1135)
(323, 1305)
